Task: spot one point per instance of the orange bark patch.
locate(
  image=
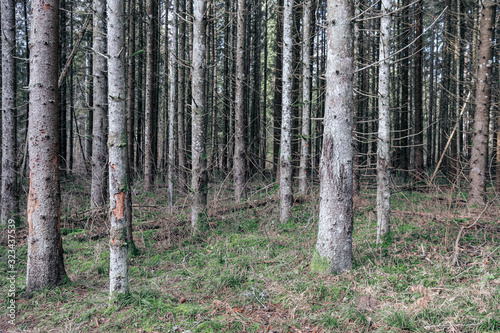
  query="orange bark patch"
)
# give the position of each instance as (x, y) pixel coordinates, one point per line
(32, 205)
(45, 6)
(113, 166)
(119, 210)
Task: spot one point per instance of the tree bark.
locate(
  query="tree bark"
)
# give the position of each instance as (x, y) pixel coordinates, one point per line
(239, 126)
(384, 126)
(419, 116)
(131, 84)
(100, 115)
(199, 175)
(479, 152)
(306, 96)
(148, 138)
(45, 266)
(334, 245)
(181, 135)
(286, 168)
(278, 87)
(9, 145)
(172, 101)
(119, 198)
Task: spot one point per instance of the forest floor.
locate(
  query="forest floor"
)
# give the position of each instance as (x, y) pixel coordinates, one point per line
(249, 273)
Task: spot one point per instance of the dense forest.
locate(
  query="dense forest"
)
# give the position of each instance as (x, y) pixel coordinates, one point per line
(250, 166)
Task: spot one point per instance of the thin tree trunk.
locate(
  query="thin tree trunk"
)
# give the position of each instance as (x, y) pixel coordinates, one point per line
(239, 137)
(419, 116)
(479, 153)
(172, 101)
(148, 138)
(278, 87)
(45, 266)
(100, 116)
(181, 135)
(199, 180)
(263, 143)
(334, 245)
(286, 168)
(306, 96)
(63, 89)
(384, 126)
(131, 84)
(9, 123)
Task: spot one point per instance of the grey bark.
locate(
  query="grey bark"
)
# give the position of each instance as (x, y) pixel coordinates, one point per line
(199, 176)
(286, 181)
(172, 101)
(100, 114)
(45, 266)
(334, 244)
(181, 133)
(384, 126)
(119, 199)
(478, 162)
(131, 84)
(9, 148)
(148, 125)
(306, 95)
(239, 166)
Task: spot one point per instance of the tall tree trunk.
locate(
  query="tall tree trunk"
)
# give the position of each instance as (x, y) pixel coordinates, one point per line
(45, 266)
(148, 143)
(63, 41)
(419, 116)
(286, 168)
(172, 101)
(479, 153)
(69, 144)
(181, 135)
(334, 245)
(100, 116)
(405, 83)
(431, 107)
(384, 126)
(278, 87)
(9, 144)
(199, 180)
(263, 142)
(131, 84)
(306, 97)
(119, 199)
(239, 137)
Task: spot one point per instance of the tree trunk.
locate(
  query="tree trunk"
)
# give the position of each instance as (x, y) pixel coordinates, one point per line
(100, 116)
(419, 117)
(199, 180)
(384, 126)
(278, 87)
(119, 199)
(334, 245)
(63, 43)
(45, 266)
(172, 101)
(181, 135)
(9, 144)
(306, 96)
(148, 138)
(239, 126)
(479, 153)
(286, 181)
(131, 84)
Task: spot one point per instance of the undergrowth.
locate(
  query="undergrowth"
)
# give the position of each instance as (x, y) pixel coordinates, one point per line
(249, 273)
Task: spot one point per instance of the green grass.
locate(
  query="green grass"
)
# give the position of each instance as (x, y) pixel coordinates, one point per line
(249, 273)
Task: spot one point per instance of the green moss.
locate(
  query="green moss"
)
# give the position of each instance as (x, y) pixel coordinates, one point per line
(320, 264)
